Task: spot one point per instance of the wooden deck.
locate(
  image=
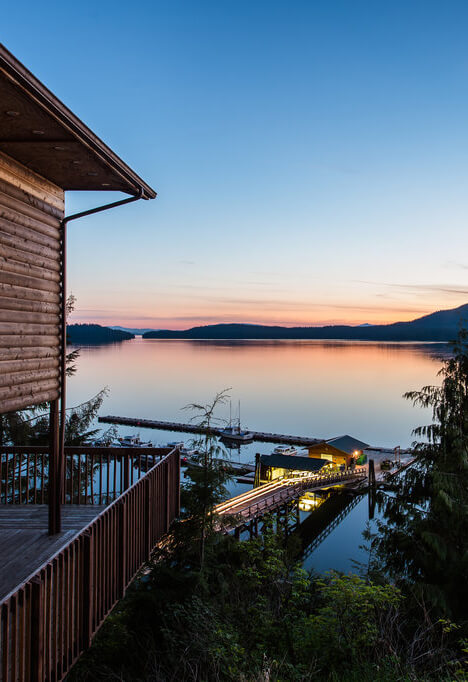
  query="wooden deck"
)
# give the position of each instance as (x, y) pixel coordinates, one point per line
(55, 592)
(25, 544)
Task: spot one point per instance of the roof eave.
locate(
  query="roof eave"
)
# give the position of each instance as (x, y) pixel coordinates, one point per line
(39, 92)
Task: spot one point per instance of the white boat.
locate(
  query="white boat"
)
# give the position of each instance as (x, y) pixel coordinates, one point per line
(133, 442)
(175, 444)
(285, 450)
(233, 432)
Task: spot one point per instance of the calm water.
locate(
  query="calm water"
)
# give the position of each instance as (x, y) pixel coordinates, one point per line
(309, 388)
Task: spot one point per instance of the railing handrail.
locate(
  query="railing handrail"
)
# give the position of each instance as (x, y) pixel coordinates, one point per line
(105, 511)
(79, 450)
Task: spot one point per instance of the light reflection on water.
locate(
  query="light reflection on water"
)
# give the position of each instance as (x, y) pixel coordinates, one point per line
(307, 388)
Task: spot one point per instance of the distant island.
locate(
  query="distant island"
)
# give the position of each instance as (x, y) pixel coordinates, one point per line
(439, 326)
(134, 331)
(90, 334)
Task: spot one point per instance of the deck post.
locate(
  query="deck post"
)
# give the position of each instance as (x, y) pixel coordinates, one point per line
(37, 631)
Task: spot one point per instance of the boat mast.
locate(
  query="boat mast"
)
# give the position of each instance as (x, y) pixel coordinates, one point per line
(239, 427)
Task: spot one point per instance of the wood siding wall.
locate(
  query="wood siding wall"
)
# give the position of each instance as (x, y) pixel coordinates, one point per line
(31, 209)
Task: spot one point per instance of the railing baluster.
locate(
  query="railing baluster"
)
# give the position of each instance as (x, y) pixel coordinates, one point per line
(88, 590)
(15, 476)
(107, 478)
(114, 463)
(100, 478)
(79, 478)
(92, 478)
(86, 478)
(72, 479)
(37, 631)
(43, 467)
(27, 480)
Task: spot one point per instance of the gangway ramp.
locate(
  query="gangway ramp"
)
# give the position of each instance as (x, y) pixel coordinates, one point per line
(272, 496)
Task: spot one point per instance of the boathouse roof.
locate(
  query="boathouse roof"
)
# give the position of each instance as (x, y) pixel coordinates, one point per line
(41, 133)
(293, 463)
(347, 444)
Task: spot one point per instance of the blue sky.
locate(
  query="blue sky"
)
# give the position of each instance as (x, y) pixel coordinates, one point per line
(311, 159)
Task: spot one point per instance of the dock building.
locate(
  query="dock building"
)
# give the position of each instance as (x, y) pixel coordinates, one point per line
(343, 450)
(272, 467)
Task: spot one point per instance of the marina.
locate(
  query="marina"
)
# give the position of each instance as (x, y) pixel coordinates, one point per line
(259, 436)
(272, 405)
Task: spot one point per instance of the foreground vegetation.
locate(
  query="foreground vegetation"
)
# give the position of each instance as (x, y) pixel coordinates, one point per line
(252, 614)
(210, 608)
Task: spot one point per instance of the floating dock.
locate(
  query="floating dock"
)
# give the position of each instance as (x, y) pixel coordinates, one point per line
(260, 436)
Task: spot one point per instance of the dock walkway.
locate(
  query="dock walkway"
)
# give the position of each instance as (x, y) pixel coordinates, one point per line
(260, 436)
(271, 496)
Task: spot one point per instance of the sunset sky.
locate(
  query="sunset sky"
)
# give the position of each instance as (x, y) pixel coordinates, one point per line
(310, 158)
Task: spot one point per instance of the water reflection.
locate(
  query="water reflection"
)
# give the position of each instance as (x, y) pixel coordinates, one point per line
(309, 388)
(306, 388)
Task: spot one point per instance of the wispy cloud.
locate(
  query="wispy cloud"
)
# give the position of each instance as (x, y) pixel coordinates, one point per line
(455, 265)
(423, 288)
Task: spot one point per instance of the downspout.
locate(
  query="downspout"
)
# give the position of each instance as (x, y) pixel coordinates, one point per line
(63, 253)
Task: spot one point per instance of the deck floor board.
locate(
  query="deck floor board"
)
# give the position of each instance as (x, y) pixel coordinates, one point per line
(25, 544)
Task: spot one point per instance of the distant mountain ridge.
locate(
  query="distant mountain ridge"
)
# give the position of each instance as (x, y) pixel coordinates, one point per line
(442, 325)
(90, 334)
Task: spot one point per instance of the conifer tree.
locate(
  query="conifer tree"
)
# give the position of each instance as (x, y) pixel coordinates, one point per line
(425, 540)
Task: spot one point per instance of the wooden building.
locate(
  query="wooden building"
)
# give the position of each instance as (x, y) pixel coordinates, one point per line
(342, 450)
(67, 550)
(276, 466)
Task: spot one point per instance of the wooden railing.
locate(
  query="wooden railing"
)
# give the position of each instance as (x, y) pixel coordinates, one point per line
(92, 475)
(52, 617)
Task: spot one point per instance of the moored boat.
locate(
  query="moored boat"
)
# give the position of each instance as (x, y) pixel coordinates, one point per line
(285, 450)
(179, 444)
(133, 442)
(234, 432)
